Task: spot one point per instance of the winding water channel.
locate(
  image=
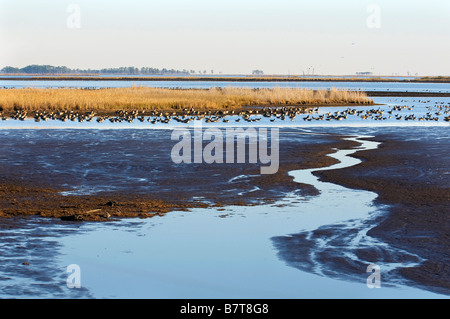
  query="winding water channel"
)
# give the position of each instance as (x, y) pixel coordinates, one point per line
(229, 253)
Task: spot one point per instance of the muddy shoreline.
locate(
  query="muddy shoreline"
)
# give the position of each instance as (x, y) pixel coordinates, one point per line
(33, 203)
(31, 189)
(247, 110)
(411, 180)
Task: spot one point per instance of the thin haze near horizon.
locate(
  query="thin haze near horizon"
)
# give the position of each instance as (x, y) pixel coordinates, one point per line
(231, 37)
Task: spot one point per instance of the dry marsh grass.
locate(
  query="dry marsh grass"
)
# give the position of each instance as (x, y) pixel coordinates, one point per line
(148, 98)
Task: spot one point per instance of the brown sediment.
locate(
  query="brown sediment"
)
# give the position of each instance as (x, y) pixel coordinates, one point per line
(26, 199)
(25, 190)
(150, 98)
(411, 177)
(436, 79)
(406, 94)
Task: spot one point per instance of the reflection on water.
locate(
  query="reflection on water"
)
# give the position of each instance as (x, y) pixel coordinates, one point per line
(204, 253)
(226, 253)
(388, 112)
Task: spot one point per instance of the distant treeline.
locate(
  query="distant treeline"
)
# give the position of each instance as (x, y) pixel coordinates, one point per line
(49, 69)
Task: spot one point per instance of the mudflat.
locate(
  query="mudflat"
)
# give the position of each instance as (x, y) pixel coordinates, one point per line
(102, 175)
(412, 177)
(83, 175)
(409, 172)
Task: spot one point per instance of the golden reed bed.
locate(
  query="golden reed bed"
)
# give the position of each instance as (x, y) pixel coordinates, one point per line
(147, 98)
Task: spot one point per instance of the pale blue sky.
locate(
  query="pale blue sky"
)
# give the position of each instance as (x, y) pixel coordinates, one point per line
(277, 36)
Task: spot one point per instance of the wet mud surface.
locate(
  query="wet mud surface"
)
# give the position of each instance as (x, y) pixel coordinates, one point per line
(52, 182)
(29, 268)
(410, 174)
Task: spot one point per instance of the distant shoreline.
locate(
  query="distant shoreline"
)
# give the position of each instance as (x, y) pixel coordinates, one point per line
(225, 79)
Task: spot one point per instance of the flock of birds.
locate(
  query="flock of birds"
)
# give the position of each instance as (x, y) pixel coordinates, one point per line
(153, 116)
(254, 115)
